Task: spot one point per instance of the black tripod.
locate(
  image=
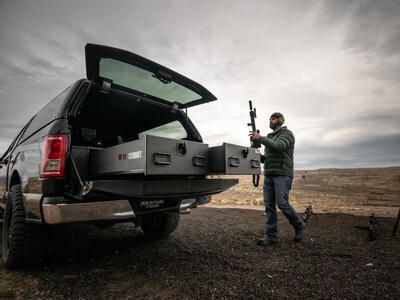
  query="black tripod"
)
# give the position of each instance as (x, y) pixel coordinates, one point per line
(396, 224)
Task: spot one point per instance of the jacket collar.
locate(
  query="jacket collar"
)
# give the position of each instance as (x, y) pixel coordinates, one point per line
(283, 128)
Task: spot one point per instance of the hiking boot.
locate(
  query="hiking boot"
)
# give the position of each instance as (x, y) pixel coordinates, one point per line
(299, 233)
(264, 241)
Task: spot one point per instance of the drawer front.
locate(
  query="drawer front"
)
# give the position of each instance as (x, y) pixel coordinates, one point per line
(232, 159)
(128, 158)
(175, 157)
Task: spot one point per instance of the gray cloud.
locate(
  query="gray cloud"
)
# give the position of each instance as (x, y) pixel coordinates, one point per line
(332, 67)
(375, 27)
(369, 26)
(372, 151)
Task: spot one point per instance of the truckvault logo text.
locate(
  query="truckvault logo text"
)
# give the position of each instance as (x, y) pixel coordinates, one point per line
(130, 155)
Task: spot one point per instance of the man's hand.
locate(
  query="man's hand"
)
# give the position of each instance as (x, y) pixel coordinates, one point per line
(255, 135)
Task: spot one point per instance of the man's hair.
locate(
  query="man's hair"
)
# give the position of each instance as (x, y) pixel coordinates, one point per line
(279, 116)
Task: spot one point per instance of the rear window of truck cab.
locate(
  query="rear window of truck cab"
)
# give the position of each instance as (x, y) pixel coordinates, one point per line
(138, 79)
(173, 130)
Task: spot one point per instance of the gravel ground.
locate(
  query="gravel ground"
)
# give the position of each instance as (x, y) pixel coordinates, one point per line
(213, 254)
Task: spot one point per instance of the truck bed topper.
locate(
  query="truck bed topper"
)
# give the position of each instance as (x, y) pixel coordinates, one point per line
(125, 71)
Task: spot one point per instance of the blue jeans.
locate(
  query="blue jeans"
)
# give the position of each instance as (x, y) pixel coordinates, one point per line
(276, 193)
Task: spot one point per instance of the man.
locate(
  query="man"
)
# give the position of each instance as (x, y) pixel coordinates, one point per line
(278, 171)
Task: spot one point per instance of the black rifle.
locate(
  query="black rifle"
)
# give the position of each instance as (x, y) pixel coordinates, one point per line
(254, 143)
(308, 213)
(396, 224)
(253, 115)
(374, 227)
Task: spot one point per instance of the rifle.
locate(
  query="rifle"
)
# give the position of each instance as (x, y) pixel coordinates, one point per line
(396, 224)
(253, 115)
(308, 213)
(374, 227)
(254, 143)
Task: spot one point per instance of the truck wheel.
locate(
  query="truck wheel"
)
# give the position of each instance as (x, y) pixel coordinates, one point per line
(159, 226)
(20, 241)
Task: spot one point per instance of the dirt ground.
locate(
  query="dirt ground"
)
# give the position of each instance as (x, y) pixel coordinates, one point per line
(213, 254)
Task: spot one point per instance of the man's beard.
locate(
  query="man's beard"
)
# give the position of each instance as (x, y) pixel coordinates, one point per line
(273, 126)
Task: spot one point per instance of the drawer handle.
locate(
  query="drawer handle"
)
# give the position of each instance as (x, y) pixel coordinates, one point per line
(199, 161)
(234, 161)
(162, 158)
(182, 148)
(255, 163)
(245, 152)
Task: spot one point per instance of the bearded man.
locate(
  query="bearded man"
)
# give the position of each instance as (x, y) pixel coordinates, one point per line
(278, 171)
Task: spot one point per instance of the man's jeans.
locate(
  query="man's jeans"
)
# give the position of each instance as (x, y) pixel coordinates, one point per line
(276, 193)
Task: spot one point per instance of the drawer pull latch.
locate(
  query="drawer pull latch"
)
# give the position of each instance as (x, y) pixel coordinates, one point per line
(162, 158)
(234, 161)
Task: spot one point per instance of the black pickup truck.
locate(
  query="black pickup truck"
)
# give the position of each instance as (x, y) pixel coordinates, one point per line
(114, 147)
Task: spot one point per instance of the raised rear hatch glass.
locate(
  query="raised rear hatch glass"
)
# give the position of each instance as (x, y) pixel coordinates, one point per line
(132, 73)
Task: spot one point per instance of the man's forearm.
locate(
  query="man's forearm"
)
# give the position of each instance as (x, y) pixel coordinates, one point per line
(270, 143)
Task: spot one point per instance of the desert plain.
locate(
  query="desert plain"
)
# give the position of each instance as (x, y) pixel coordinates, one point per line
(213, 253)
(360, 191)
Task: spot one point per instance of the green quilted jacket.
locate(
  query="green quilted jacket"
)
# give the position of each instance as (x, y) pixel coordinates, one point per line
(279, 148)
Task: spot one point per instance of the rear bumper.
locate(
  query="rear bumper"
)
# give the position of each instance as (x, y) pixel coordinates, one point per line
(161, 189)
(59, 210)
(116, 210)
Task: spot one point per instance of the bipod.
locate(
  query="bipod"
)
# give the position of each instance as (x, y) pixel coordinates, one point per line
(396, 224)
(308, 213)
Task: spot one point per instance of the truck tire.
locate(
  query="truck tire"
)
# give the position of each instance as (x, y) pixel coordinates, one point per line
(161, 225)
(21, 242)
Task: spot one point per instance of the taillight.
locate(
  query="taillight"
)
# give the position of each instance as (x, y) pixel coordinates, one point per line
(53, 149)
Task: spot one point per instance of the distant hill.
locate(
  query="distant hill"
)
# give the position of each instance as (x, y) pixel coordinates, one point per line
(358, 190)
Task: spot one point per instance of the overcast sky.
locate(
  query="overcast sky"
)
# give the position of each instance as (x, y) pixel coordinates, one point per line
(331, 67)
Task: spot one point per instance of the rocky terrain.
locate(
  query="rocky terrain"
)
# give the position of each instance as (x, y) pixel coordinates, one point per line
(213, 253)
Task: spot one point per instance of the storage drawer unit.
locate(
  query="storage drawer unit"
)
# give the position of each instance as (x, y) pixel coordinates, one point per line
(232, 159)
(152, 155)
